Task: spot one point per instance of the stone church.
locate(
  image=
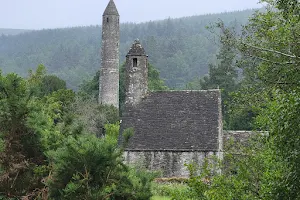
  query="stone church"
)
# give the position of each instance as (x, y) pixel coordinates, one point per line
(171, 128)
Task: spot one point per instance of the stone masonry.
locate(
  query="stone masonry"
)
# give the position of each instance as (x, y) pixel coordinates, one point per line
(109, 72)
(175, 120)
(171, 128)
(136, 81)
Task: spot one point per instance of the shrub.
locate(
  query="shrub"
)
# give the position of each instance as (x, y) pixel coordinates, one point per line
(92, 168)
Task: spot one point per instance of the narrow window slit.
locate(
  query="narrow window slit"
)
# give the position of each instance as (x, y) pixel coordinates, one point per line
(135, 62)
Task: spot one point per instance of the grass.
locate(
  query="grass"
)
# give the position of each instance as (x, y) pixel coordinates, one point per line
(165, 191)
(160, 198)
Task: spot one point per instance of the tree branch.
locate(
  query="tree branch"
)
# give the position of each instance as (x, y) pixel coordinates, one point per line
(270, 50)
(266, 60)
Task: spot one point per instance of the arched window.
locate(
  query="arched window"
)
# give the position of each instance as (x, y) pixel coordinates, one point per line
(107, 20)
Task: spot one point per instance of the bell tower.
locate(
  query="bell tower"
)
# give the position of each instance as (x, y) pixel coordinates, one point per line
(136, 74)
(109, 72)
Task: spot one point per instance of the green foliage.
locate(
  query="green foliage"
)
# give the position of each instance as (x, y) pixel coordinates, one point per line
(112, 133)
(179, 48)
(265, 167)
(42, 124)
(91, 88)
(127, 134)
(86, 168)
(160, 198)
(92, 168)
(65, 98)
(249, 171)
(44, 153)
(281, 118)
(22, 150)
(51, 83)
(240, 117)
(35, 80)
(172, 190)
(141, 181)
(271, 39)
(199, 183)
(224, 74)
(154, 81)
(93, 116)
(2, 145)
(289, 7)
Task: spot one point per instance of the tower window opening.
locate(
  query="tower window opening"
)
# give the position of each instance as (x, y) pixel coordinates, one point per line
(134, 62)
(107, 19)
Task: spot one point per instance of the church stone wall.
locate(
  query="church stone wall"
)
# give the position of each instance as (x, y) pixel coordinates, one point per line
(170, 163)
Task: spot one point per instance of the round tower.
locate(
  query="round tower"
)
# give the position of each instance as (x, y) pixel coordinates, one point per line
(109, 72)
(136, 74)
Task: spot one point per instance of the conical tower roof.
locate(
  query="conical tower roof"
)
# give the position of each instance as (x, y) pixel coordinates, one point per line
(111, 9)
(136, 49)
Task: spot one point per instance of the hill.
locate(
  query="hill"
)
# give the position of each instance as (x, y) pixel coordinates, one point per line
(6, 31)
(180, 48)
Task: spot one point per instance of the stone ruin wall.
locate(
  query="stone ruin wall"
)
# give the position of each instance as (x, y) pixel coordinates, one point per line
(170, 163)
(136, 78)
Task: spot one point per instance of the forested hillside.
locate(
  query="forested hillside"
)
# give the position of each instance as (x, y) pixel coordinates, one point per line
(7, 31)
(59, 144)
(180, 48)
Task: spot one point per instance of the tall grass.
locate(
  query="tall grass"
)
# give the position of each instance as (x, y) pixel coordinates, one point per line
(178, 191)
(160, 198)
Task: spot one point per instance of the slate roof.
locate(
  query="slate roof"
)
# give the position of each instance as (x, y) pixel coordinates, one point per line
(136, 49)
(111, 9)
(175, 120)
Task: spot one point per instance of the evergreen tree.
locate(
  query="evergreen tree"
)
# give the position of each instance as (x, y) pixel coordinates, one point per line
(224, 74)
(267, 166)
(46, 152)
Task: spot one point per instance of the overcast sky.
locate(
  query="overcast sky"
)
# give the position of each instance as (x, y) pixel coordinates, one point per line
(38, 14)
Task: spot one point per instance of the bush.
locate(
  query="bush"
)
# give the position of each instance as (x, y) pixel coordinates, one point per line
(92, 168)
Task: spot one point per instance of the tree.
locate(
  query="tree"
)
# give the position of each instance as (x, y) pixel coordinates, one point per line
(92, 168)
(270, 42)
(22, 152)
(249, 171)
(267, 168)
(224, 74)
(154, 84)
(179, 48)
(94, 116)
(51, 83)
(47, 153)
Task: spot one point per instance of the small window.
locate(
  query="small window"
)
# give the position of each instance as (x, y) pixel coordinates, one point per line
(135, 62)
(107, 20)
